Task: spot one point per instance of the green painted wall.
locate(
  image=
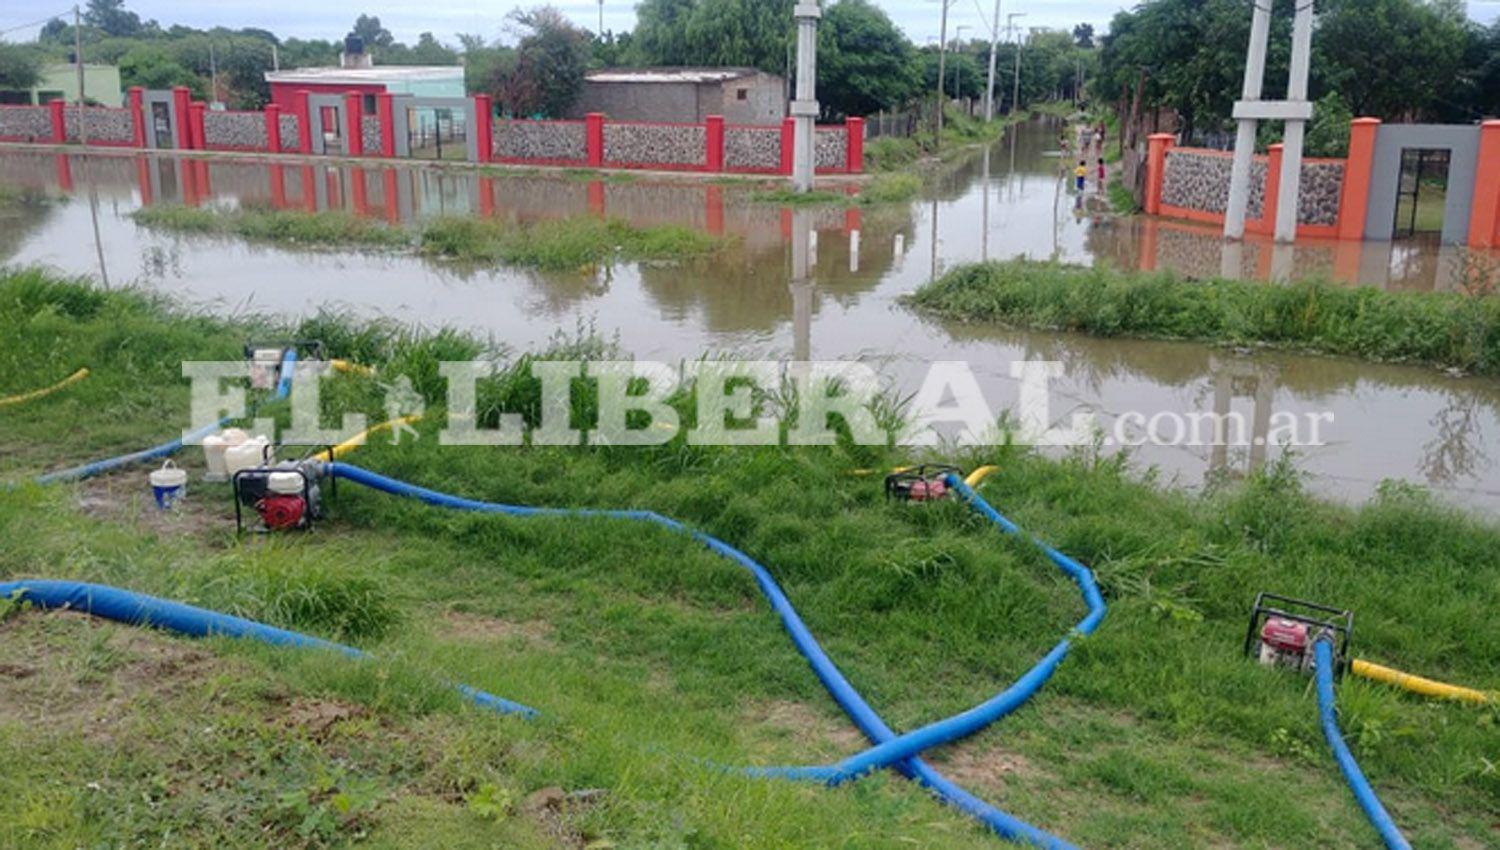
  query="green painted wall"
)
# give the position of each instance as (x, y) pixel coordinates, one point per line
(100, 82)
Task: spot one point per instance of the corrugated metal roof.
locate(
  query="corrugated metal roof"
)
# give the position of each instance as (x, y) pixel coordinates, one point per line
(669, 75)
(355, 76)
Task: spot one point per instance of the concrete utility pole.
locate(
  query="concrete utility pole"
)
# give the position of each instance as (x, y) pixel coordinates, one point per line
(805, 105)
(1015, 90)
(1250, 110)
(601, 18)
(989, 89)
(942, 68)
(83, 132)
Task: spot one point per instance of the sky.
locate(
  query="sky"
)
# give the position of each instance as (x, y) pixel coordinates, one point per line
(331, 19)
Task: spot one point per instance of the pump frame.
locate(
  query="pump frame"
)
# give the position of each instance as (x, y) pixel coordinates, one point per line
(1340, 623)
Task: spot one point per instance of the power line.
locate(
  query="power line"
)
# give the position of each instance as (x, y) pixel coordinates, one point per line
(35, 23)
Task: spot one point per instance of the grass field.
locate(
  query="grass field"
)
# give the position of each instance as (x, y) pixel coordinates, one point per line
(1450, 330)
(649, 656)
(560, 244)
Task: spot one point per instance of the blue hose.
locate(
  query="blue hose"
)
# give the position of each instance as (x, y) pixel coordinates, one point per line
(853, 704)
(136, 609)
(980, 716)
(167, 449)
(1363, 793)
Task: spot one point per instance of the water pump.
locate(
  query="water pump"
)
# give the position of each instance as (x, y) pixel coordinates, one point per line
(285, 497)
(266, 358)
(925, 483)
(1282, 632)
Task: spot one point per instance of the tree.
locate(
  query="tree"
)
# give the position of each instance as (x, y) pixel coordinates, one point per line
(1083, 36)
(368, 28)
(154, 67)
(111, 17)
(545, 73)
(661, 31)
(20, 67)
(865, 64)
(1390, 58)
(754, 33)
(1328, 131)
(964, 75)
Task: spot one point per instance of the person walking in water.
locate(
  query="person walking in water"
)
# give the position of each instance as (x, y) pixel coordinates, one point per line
(1101, 174)
(1081, 175)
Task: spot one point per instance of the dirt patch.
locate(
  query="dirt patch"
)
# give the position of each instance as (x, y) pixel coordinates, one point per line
(987, 767)
(829, 735)
(317, 717)
(84, 674)
(554, 810)
(124, 497)
(477, 628)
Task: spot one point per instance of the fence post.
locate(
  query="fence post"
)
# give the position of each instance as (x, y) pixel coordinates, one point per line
(354, 124)
(593, 124)
(1484, 219)
(1355, 196)
(385, 108)
(854, 162)
(137, 116)
(1157, 145)
(196, 110)
(273, 127)
(714, 133)
(182, 101)
(788, 142)
(1273, 189)
(59, 121)
(484, 131)
(304, 121)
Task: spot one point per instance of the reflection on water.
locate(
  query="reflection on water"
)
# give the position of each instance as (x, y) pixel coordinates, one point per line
(805, 283)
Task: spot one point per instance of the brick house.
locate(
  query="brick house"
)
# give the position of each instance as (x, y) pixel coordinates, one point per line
(683, 94)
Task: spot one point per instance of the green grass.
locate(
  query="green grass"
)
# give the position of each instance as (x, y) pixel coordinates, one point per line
(1440, 329)
(561, 244)
(648, 653)
(1121, 199)
(888, 187)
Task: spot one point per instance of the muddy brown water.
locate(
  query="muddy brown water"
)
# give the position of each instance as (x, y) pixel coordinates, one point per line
(1388, 422)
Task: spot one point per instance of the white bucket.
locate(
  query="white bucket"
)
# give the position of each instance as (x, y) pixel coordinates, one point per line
(168, 485)
(285, 483)
(214, 447)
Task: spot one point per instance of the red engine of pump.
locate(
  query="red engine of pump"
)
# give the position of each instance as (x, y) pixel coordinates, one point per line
(927, 490)
(282, 512)
(1284, 643)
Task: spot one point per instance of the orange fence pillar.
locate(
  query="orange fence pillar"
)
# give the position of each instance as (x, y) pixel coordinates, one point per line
(1484, 219)
(1157, 145)
(1355, 198)
(1267, 221)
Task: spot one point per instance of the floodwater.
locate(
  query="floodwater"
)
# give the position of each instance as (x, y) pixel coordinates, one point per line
(1387, 422)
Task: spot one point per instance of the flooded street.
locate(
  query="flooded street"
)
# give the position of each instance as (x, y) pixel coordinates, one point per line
(1388, 421)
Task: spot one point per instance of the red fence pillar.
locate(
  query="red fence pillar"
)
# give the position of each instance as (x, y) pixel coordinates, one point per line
(304, 121)
(593, 125)
(1157, 145)
(182, 101)
(855, 161)
(59, 121)
(198, 137)
(385, 109)
(788, 143)
(137, 116)
(1484, 220)
(1354, 199)
(714, 133)
(273, 127)
(354, 124)
(484, 130)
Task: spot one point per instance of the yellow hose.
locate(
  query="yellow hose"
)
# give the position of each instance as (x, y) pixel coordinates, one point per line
(980, 474)
(350, 368)
(350, 445)
(1417, 684)
(45, 391)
